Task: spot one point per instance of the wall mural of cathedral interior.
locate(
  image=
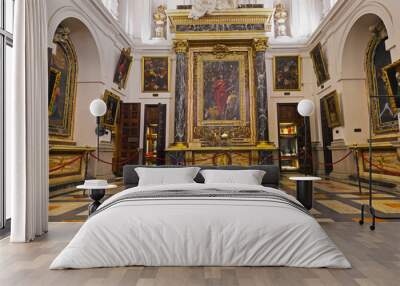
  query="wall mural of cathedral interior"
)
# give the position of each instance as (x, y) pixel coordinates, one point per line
(117, 94)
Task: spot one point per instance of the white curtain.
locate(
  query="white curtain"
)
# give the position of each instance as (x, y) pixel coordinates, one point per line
(305, 16)
(27, 124)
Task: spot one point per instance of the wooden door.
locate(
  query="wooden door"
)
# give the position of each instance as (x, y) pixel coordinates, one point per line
(154, 134)
(127, 137)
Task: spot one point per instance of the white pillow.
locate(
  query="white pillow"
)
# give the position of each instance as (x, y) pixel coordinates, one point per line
(166, 176)
(247, 177)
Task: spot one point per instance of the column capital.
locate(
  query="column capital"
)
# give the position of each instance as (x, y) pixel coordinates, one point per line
(260, 44)
(181, 46)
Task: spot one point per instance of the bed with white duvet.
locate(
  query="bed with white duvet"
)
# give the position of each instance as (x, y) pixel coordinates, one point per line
(201, 225)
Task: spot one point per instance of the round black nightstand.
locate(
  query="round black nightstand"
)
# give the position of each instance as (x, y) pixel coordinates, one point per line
(96, 193)
(305, 190)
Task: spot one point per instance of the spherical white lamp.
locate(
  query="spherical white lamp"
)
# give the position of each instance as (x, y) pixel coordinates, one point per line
(98, 108)
(305, 107)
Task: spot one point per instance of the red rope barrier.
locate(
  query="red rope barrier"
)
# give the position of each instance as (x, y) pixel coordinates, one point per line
(386, 172)
(100, 160)
(206, 159)
(338, 161)
(62, 166)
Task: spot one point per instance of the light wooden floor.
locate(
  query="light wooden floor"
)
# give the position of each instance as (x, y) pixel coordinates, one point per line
(375, 257)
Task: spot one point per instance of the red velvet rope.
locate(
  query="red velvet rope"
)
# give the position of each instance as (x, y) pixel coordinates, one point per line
(385, 172)
(338, 161)
(63, 165)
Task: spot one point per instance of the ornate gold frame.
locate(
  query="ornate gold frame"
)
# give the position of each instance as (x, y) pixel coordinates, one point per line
(106, 95)
(62, 39)
(126, 52)
(380, 130)
(338, 110)
(389, 89)
(299, 66)
(169, 74)
(213, 51)
(318, 48)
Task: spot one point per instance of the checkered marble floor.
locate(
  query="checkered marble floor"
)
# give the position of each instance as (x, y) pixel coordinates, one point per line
(333, 202)
(341, 202)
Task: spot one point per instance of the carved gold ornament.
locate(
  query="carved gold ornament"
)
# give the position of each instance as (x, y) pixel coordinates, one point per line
(260, 44)
(181, 46)
(220, 51)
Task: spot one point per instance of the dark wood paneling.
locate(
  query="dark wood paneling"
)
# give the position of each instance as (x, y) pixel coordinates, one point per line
(155, 116)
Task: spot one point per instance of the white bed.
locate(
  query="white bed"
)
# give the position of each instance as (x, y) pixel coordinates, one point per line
(200, 231)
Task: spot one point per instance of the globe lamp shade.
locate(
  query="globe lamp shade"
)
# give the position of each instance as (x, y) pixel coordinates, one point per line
(305, 107)
(98, 108)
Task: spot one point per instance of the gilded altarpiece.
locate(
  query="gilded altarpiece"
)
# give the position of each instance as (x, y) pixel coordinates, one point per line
(221, 98)
(221, 114)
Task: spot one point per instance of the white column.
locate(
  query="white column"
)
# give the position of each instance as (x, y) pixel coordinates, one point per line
(27, 124)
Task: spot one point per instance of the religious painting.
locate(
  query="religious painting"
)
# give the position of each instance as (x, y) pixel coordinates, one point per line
(319, 64)
(109, 120)
(221, 105)
(287, 73)
(123, 68)
(155, 74)
(391, 76)
(62, 73)
(381, 78)
(332, 109)
(221, 90)
(54, 90)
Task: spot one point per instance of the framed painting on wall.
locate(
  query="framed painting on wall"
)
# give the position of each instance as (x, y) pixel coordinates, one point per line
(332, 109)
(54, 89)
(221, 97)
(287, 73)
(155, 74)
(391, 76)
(62, 74)
(109, 120)
(320, 67)
(123, 68)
